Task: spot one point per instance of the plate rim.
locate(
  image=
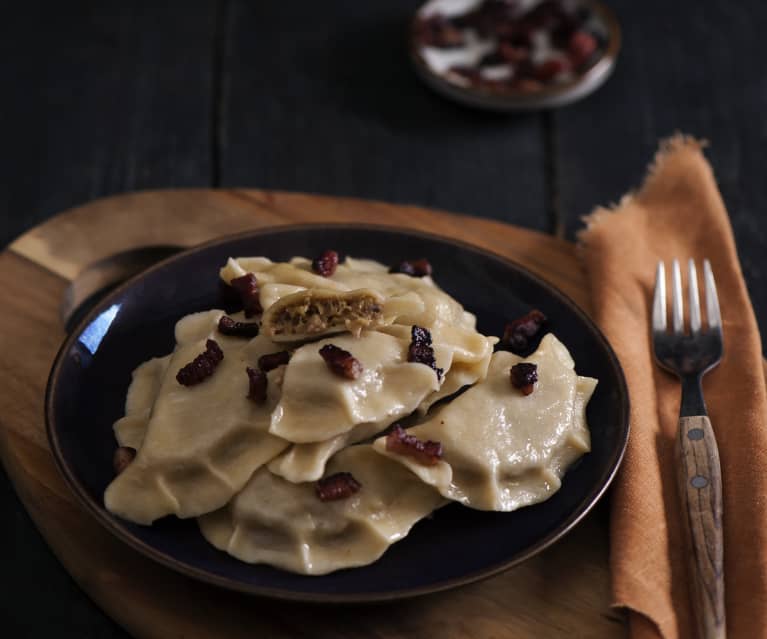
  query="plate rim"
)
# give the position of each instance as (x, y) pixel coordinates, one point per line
(100, 515)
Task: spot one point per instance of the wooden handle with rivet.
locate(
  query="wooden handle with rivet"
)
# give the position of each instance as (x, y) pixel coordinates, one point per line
(700, 491)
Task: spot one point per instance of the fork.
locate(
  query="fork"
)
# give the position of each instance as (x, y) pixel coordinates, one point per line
(690, 356)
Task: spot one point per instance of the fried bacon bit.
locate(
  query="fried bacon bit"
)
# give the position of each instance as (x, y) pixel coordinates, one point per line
(202, 366)
(420, 350)
(335, 487)
(257, 384)
(228, 326)
(437, 31)
(427, 453)
(123, 457)
(582, 46)
(414, 268)
(273, 360)
(325, 264)
(247, 287)
(524, 376)
(518, 336)
(341, 362)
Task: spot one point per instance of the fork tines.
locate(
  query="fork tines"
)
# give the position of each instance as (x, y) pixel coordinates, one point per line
(659, 319)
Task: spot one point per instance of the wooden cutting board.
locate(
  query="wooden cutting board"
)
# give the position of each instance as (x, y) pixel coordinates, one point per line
(563, 592)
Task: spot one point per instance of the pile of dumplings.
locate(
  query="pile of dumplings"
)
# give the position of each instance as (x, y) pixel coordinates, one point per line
(249, 470)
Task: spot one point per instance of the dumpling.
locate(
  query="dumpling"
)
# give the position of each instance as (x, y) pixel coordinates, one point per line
(470, 355)
(465, 343)
(147, 379)
(503, 449)
(142, 393)
(201, 443)
(459, 376)
(286, 525)
(317, 405)
(306, 462)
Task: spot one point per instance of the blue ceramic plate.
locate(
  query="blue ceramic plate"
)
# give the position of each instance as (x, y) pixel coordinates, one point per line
(87, 386)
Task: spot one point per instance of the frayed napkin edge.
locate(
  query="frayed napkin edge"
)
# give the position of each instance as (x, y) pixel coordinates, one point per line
(666, 148)
(631, 614)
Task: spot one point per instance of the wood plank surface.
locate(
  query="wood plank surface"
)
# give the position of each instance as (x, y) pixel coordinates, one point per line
(100, 97)
(563, 592)
(323, 95)
(687, 67)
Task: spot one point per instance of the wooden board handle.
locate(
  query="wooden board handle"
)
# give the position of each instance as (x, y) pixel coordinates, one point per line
(700, 491)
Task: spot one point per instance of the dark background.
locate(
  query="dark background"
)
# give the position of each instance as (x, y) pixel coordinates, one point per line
(114, 96)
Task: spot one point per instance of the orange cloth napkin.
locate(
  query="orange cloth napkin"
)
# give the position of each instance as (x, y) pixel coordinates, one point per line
(679, 213)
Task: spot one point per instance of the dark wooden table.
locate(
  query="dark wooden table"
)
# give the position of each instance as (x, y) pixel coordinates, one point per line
(108, 97)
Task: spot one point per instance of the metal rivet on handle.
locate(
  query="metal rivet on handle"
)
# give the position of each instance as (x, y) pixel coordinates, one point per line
(699, 481)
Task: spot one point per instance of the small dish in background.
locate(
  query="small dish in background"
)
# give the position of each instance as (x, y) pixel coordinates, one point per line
(514, 55)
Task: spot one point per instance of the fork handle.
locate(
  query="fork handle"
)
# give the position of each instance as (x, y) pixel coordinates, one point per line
(700, 490)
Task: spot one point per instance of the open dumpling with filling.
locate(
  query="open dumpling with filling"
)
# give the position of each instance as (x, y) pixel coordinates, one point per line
(310, 313)
(283, 524)
(503, 449)
(201, 443)
(404, 299)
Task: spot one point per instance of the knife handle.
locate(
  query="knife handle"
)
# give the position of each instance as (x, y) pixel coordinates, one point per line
(700, 490)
